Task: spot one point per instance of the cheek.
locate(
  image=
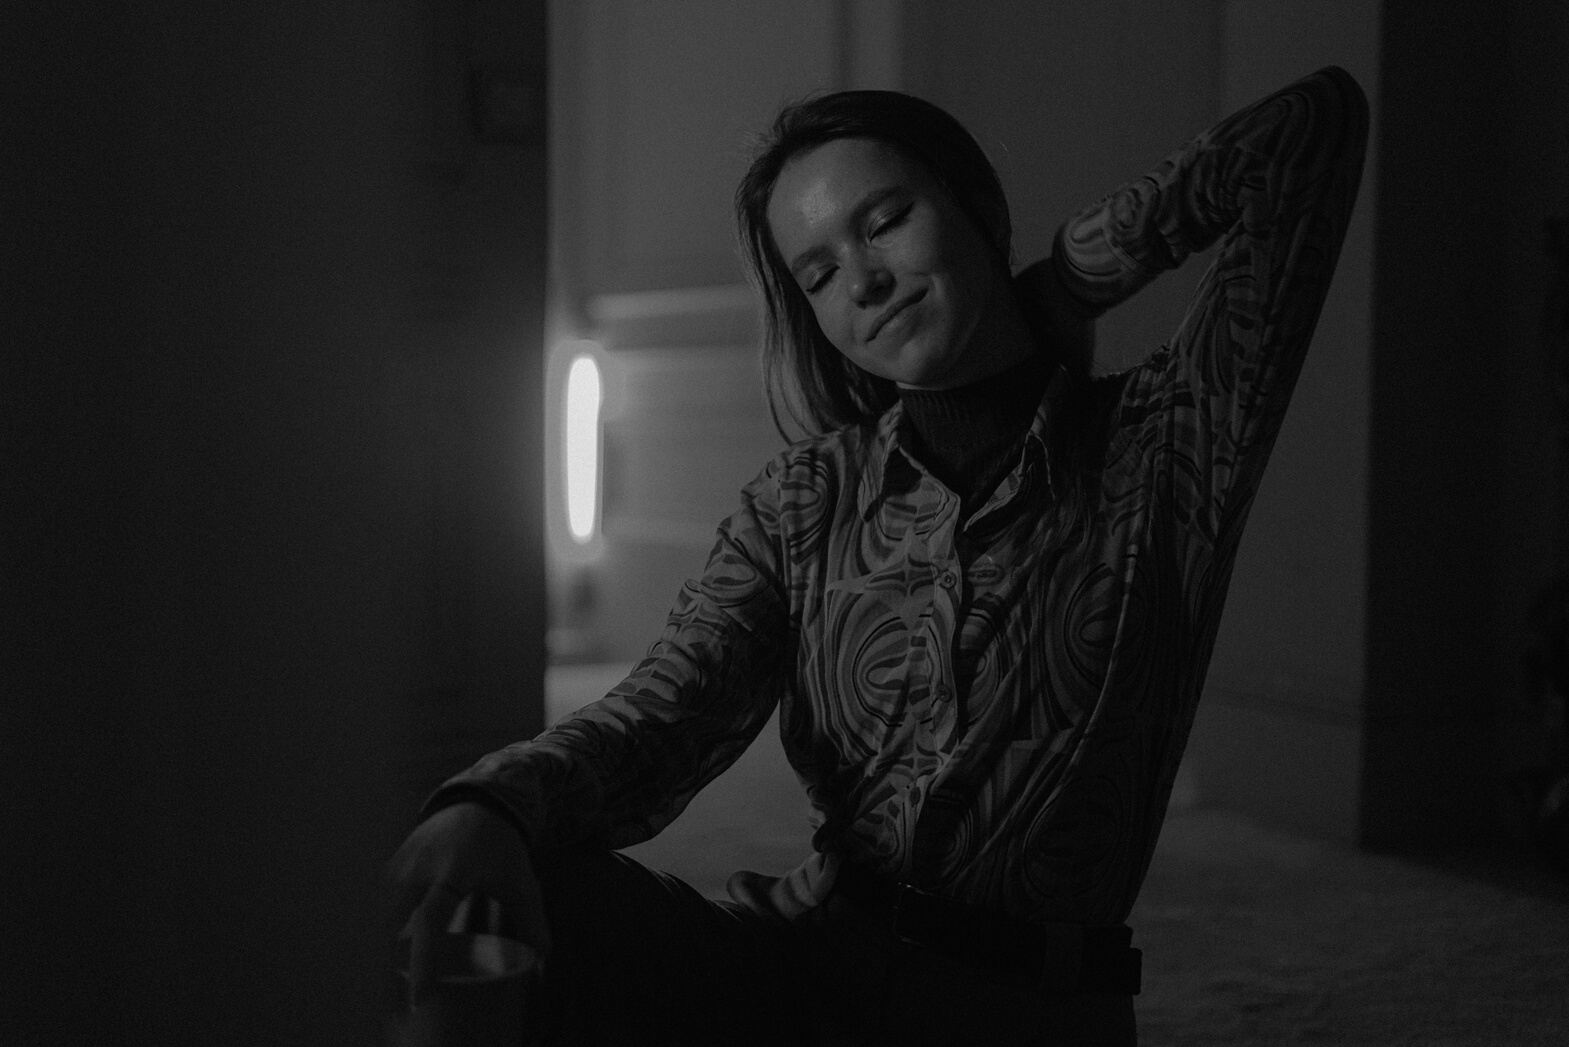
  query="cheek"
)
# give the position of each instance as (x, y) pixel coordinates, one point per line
(830, 322)
(965, 257)
(969, 276)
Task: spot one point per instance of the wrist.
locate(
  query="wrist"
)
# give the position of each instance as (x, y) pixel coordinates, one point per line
(476, 802)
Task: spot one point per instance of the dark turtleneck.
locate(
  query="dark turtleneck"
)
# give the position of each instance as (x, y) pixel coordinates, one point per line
(968, 436)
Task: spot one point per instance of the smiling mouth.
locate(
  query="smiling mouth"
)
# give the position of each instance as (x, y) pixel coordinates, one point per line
(893, 311)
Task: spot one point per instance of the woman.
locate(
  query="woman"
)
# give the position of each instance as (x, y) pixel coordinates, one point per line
(983, 598)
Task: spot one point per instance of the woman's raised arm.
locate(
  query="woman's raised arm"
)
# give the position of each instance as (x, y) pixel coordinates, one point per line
(1258, 171)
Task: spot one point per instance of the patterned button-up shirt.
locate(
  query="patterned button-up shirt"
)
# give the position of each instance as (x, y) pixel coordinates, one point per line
(980, 706)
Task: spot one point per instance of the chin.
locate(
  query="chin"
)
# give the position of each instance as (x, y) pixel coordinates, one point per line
(919, 365)
(934, 374)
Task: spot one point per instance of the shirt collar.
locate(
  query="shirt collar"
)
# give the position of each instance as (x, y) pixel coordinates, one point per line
(888, 461)
(885, 445)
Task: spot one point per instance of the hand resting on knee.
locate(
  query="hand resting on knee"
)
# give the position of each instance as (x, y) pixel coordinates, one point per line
(460, 850)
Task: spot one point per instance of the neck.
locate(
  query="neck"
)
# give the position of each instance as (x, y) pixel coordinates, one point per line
(967, 436)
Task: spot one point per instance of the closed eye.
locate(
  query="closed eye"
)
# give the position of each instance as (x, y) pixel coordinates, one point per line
(892, 220)
(820, 279)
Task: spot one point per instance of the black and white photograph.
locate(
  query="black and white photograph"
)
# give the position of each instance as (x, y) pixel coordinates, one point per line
(785, 523)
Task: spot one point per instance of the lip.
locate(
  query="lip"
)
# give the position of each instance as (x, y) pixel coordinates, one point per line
(892, 311)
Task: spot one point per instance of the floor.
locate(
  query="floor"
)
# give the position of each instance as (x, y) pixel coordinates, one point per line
(1251, 936)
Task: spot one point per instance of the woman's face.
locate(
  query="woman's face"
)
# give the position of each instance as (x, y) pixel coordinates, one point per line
(899, 279)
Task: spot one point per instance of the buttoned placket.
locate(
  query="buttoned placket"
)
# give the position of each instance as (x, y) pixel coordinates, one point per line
(947, 612)
(930, 664)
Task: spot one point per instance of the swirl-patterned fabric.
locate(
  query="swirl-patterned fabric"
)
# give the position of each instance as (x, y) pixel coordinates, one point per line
(980, 706)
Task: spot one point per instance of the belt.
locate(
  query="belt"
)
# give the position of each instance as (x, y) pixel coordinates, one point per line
(1060, 957)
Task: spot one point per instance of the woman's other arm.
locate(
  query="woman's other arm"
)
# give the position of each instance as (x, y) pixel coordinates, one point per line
(619, 770)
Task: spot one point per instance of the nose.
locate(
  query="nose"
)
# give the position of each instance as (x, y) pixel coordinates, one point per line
(869, 281)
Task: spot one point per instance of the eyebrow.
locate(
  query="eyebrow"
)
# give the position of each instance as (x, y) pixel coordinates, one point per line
(867, 203)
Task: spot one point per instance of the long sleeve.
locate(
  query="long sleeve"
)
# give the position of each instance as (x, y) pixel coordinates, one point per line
(1275, 183)
(619, 770)
(1134, 608)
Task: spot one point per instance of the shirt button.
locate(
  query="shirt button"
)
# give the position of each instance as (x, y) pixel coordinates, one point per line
(948, 580)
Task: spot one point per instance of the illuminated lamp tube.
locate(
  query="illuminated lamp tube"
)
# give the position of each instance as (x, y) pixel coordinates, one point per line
(581, 447)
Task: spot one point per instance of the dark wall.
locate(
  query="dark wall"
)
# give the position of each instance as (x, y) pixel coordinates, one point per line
(1462, 492)
(271, 535)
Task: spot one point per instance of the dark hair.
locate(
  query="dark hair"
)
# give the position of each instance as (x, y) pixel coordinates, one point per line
(807, 379)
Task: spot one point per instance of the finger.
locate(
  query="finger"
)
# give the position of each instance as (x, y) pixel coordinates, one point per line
(398, 906)
(404, 888)
(405, 901)
(422, 959)
(425, 857)
(519, 916)
(425, 929)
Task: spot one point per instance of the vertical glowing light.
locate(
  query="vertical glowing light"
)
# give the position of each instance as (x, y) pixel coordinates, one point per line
(581, 447)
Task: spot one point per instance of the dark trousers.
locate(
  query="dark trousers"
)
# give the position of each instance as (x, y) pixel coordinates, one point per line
(642, 958)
